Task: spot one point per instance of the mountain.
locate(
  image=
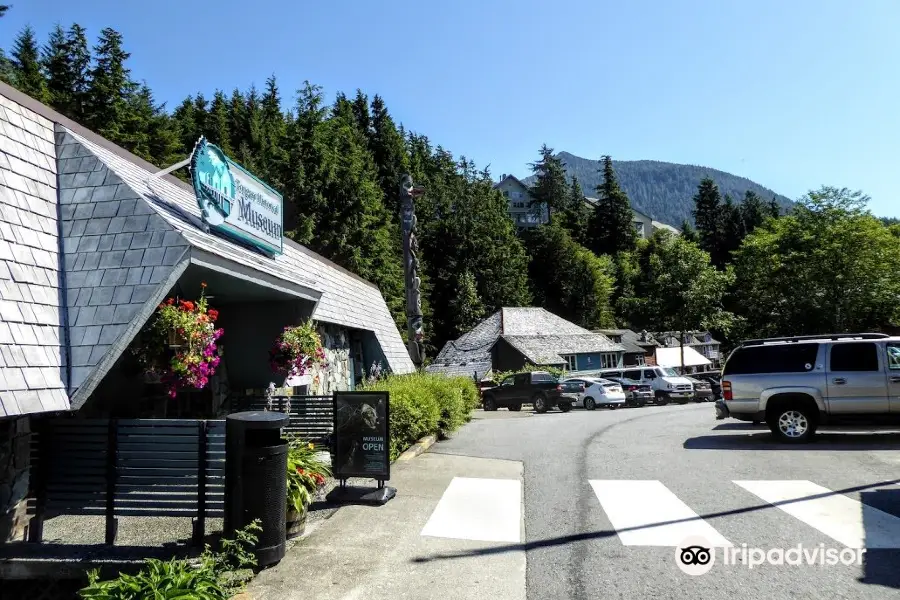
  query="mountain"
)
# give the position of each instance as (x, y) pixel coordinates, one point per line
(664, 191)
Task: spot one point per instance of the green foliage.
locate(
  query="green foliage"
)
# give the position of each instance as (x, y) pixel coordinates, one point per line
(27, 74)
(829, 267)
(676, 288)
(611, 228)
(424, 404)
(499, 376)
(306, 472)
(569, 280)
(208, 579)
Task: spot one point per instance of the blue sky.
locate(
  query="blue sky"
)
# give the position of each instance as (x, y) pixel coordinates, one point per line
(792, 94)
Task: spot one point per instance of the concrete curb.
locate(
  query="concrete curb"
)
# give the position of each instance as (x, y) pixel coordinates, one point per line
(418, 448)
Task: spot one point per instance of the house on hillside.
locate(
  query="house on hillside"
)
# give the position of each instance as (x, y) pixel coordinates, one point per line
(640, 348)
(519, 200)
(93, 240)
(642, 223)
(702, 351)
(512, 338)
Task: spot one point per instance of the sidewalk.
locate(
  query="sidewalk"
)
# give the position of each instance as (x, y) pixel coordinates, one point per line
(363, 552)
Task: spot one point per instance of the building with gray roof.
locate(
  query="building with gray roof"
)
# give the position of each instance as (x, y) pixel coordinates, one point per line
(515, 337)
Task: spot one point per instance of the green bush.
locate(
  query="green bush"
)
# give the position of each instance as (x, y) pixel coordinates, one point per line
(216, 576)
(424, 404)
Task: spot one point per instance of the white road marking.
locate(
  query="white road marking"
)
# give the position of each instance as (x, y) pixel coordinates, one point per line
(485, 510)
(847, 521)
(647, 513)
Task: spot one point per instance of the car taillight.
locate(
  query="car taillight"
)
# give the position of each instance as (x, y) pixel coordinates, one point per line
(726, 390)
(559, 388)
(631, 388)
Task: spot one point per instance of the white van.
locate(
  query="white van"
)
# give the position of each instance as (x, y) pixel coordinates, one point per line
(668, 385)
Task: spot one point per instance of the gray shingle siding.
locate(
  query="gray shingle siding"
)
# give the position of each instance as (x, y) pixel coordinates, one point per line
(346, 299)
(32, 358)
(101, 296)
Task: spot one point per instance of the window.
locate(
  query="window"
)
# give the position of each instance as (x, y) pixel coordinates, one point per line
(649, 374)
(523, 379)
(506, 193)
(609, 361)
(893, 354)
(855, 356)
(635, 375)
(538, 377)
(570, 362)
(772, 358)
(508, 382)
(640, 359)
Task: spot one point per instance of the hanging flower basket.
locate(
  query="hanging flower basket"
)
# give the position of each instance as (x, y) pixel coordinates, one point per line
(179, 346)
(297, 350)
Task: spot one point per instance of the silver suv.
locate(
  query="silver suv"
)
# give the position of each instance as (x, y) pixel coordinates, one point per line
(796, 384)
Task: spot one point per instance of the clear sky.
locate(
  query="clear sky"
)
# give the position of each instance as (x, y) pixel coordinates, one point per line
(793, 94)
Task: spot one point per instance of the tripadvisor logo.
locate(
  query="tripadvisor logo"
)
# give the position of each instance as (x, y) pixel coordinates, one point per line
(696, 556)
(213, 182)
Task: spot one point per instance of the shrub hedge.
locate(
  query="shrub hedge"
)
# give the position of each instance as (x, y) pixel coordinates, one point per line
(424, 404)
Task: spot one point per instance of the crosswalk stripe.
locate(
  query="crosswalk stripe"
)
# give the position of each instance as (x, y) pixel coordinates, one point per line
(647, 513)
(845, 520)
(485, 510)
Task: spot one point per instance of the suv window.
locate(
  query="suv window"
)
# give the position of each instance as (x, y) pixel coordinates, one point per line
(635, 375)
(541, 377)
(508, 382)
(893, 356)
(780, 358)
(523, 379)
(854, 356)
(649, 373)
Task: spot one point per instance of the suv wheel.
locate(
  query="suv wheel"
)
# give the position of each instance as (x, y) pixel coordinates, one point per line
(540, 403)
(565, 406)
(793, 424)
(661, 399)
(589, 403)
(489, 403)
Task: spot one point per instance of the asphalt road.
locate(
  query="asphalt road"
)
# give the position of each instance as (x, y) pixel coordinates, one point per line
(605, 493)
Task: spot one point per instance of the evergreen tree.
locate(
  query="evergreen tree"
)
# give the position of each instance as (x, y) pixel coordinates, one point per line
(611, 225)
(27, 74)
(466, 308)
(688, 232)
(774, 208)
(219, 119)
(388, 149)
(753, 212)
(361, 112)
(57, 65)
(708, 218)
(273, 155)
(305, 200)
(79, 66)
(110, 86)
(550, 192)
(576, 215)
(4, 8)
(732, 227)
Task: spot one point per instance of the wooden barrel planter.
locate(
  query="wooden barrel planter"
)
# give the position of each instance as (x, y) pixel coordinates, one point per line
(296, 522)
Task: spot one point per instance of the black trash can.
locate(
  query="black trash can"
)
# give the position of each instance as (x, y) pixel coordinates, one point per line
(256, 480)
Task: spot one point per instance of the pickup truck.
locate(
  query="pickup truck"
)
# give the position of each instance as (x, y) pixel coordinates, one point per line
(538, 388)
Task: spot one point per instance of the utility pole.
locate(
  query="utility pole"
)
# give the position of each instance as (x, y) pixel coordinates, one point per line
(415, 335)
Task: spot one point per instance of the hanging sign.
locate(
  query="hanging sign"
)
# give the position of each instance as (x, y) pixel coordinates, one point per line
(234, 202)
(362, 435)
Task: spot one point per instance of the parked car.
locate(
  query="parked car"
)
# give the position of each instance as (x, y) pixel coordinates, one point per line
(797, 384)
(666, 383)
(715, 381)
(538, 388)
(599, 392)
(702, 390)
(636, 393)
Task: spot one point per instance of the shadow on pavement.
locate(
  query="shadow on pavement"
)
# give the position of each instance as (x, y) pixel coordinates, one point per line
(880, 567)
(823, 441)
(607, 533)
(739, 427)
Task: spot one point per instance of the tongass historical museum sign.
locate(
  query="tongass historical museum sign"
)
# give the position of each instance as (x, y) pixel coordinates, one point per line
(361, 431)
(234, 202)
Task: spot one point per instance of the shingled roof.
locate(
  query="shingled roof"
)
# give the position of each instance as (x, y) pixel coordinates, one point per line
(538, 334)
(124, 237)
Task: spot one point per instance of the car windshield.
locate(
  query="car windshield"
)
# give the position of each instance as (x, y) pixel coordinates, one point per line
(668, 372)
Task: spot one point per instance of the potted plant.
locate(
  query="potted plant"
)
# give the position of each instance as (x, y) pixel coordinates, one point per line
(297, 350)
(179, 347)
(306, 474)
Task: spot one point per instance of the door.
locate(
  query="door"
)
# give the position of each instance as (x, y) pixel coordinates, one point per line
(892, 356)
(855, 379)
(506, 390)
(522, 389)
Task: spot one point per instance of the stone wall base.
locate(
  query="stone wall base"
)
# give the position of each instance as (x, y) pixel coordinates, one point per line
(15, 459)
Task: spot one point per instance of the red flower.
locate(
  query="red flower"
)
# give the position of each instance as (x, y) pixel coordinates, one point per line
(170, 301)
(213, 314)
(187, 305)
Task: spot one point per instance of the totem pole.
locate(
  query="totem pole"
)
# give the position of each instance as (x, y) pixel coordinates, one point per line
(408, 194)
